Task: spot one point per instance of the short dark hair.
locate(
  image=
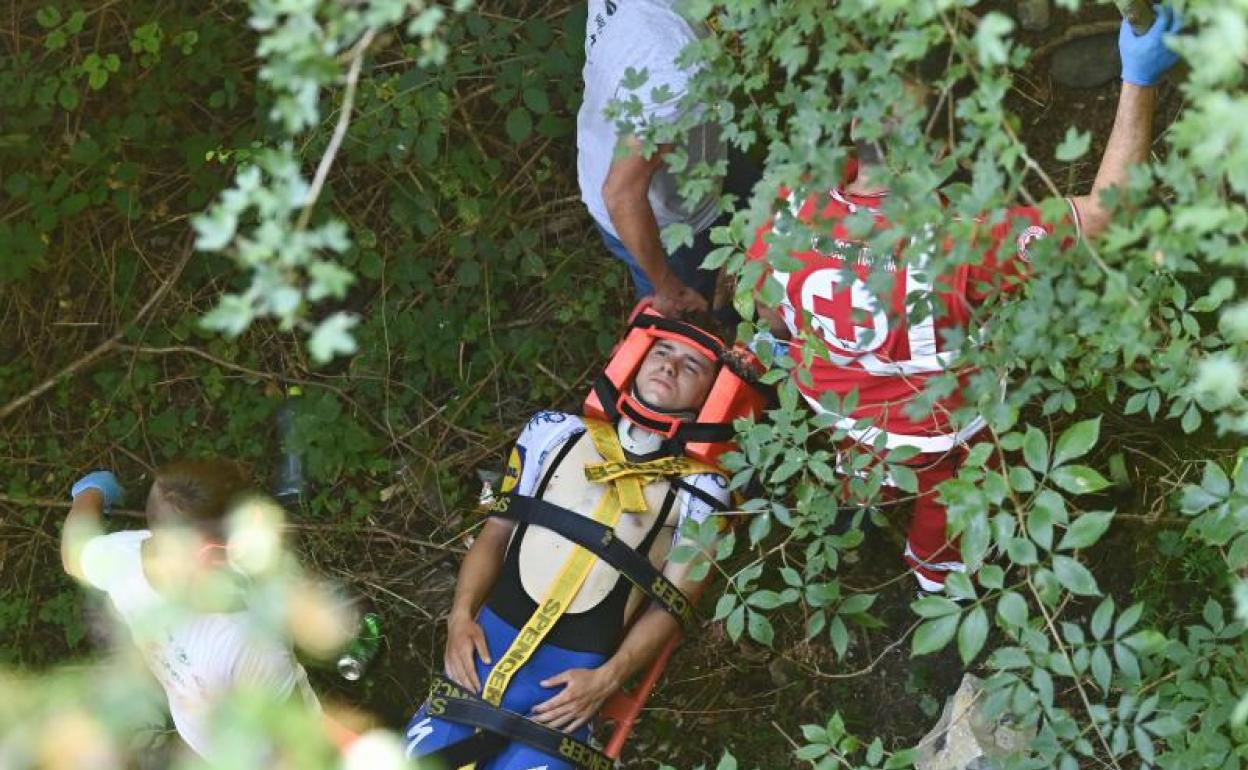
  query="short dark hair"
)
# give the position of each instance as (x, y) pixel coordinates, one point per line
(200, 492)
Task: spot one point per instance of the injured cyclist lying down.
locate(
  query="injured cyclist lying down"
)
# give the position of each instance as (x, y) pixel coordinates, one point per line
(567, 591)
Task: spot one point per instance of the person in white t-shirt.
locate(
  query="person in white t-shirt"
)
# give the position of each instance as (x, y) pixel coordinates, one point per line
(200, 644)
(632, 197)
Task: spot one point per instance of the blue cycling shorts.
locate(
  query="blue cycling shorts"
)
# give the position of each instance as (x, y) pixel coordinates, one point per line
(426, 734)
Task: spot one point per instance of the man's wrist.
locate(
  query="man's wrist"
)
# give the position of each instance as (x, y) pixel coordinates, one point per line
(612, 673)
(668, 283)
(91, 497)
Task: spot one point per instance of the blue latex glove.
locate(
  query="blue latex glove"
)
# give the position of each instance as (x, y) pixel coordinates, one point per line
(1145, 58)
(105, 482)
(765, 339)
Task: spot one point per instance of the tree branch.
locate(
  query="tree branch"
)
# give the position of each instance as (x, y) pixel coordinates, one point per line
(105, 347)
(340, 128)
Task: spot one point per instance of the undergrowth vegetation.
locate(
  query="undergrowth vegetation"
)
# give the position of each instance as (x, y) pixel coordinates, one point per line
(371, 209)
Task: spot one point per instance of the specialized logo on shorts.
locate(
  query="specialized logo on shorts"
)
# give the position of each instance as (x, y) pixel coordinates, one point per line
(1028, 236)
(515, 466)
(418, 732)
(439, 690)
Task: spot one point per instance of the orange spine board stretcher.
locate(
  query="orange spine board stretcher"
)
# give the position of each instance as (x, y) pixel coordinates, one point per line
(623, 708)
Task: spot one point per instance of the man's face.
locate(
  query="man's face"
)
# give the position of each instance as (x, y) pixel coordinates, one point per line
(674, 377)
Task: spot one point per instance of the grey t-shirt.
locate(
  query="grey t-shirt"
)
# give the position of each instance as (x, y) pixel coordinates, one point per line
(649, 35)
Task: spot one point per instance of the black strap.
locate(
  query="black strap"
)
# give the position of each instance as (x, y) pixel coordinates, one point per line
(475, 748)
(568, 443)
(607, 395)
(648, 321)
(453, 703)
(669, 499)
(714, 502)
(601, 541)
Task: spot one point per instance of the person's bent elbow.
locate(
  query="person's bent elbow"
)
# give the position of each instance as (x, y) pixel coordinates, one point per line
(622, 192)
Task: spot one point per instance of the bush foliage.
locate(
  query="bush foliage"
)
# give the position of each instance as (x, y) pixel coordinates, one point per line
(383, 213)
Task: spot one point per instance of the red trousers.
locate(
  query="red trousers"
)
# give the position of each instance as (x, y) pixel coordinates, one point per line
(930, 552)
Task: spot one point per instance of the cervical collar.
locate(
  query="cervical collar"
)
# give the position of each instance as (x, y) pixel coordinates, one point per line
(641, 443)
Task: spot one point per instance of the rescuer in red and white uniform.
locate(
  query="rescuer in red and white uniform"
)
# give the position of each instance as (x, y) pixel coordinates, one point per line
(880, 348)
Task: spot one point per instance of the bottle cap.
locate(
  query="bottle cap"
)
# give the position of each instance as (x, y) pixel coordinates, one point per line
(350, 669)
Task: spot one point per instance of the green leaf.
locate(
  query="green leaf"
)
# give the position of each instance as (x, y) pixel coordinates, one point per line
(811, 751)
(1127, 620)
(1085, 530)
(1036, 450)
(856, 604)
(1021, 479)
(736, 623)
(905, 478)
(991, 45)
(48, 16)
(536, 100)
(68, 97)
(972, 633)
(333, 337)
(1128, 663)
(1102, 669)
(1074, 146)
(764, 600)
(934, 607)
(838, 634)
(1021, 551)
(760, 628)
(958, 585)
(519, 124)
(1009, 657)
(1074, 576)
(1077, 440)
(991, 576)
(1012, 609)
(1078, 479)
(933, 635)
(978, 455)
(902, 759)
(1102, 617)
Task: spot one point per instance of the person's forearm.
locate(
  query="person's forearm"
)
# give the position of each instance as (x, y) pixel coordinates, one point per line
(641, 644)
(639, 232)
(480, 568)
(82, 524)
(1129, 143)
(655, 626)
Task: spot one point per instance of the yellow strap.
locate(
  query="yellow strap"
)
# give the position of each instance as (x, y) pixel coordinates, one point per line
(628, 478)
(558, 597)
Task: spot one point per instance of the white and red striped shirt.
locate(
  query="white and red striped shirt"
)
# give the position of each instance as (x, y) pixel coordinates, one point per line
(880, 346)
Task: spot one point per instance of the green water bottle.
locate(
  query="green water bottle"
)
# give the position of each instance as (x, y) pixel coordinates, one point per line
(355, 659)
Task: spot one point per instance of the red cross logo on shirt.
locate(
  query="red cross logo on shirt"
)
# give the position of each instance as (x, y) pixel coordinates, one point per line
(846, 318)
(840, 310)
